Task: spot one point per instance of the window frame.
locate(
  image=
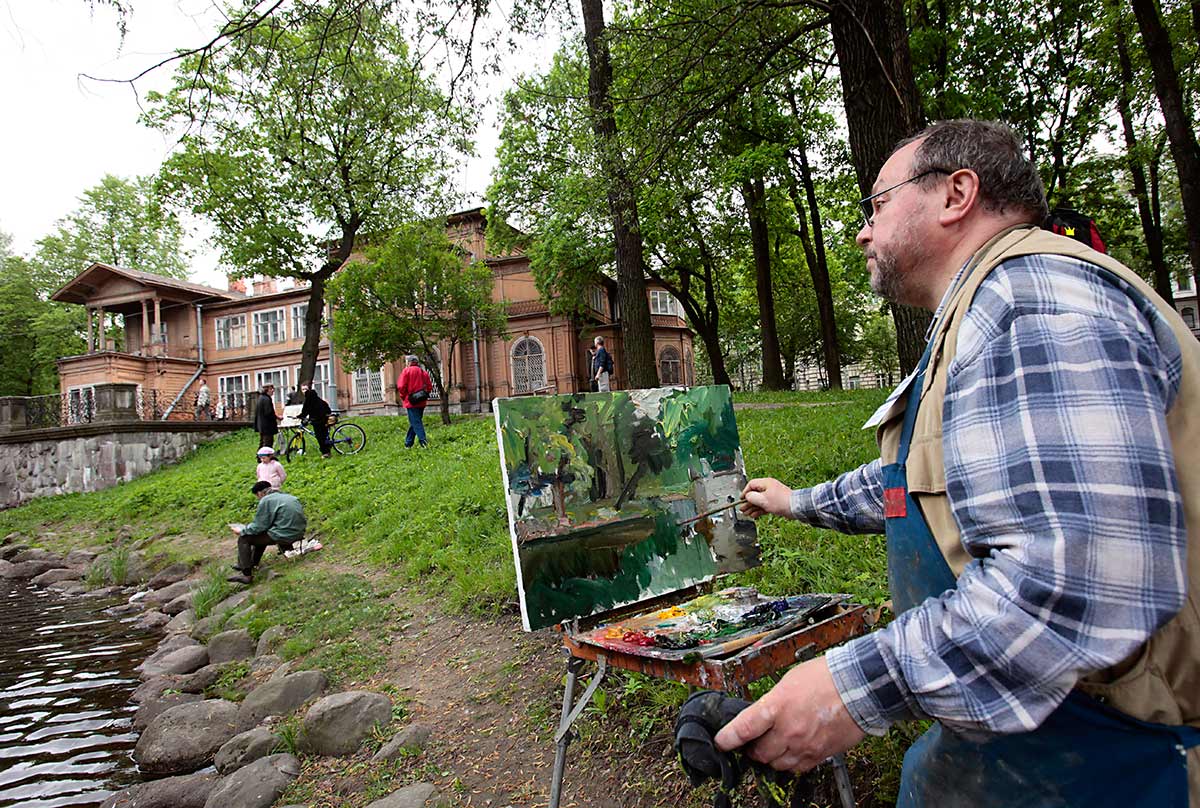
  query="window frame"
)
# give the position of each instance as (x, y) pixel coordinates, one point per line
(299, 330)
(657, 295)
(281, 390)
(678, 362)
(281, 322)
(512, 365)
(366, 372)
(229, 331)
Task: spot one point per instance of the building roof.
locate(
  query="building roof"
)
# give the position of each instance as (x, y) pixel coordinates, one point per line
(83, 287)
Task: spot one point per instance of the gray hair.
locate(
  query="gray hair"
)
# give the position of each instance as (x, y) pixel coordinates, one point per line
(1007, 179)
(411, 359)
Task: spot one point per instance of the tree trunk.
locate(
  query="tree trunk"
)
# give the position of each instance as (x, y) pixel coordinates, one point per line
(1151, 230)
(882, 108)
(754, 193)
(312, 331)
(1184, 149)
(818, 266)
(637, 337)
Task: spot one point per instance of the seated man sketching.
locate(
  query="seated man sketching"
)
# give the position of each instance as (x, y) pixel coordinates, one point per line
(279, 520)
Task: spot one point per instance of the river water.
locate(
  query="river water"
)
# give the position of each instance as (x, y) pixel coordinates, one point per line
(66, 672)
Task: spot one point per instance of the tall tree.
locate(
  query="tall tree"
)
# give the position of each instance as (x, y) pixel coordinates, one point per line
(637, 338)
(118, 222)
(1180, 133)
(1135, 158)
(882, 108)
(414, 294)
(304, 135)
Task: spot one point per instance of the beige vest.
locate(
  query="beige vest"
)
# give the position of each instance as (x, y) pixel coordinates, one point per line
(1161, 681)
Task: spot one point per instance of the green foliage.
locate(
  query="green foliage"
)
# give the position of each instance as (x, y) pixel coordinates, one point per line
(34, 332)
(118, 565)
(288, 734)
(226, 687)
(316, 127)
(211, 591)
(120, 222)
(414, 295)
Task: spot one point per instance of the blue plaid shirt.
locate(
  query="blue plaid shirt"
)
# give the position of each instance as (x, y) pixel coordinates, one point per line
(1060, 476)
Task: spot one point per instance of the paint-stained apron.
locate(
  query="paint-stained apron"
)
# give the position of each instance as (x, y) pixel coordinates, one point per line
(1084, 754)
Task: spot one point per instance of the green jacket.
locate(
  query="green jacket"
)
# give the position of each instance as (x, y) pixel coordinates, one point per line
(280, 516)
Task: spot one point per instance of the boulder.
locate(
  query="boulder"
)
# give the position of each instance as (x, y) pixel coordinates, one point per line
(337, 725)
(207, 626)
(231, 602)
(410, 739)
(282, 671)
(186, 791)
(152, 619)
(104, 592)
(270, 639)
(179, 604)
(257, 785)
(265, 663)
(244, 748)
(230, 646)
(280, 696)
(152, 708)
(172, 574)
(417, 795)
(154, 687)
(27, 569)
(68, 587)
(181, 660)
(35, 554)
(182, 623)
(201, 680)
(185, 737)
(80, 558)
(173, 641)
(7, 553)
(166, 594)
(57, 575)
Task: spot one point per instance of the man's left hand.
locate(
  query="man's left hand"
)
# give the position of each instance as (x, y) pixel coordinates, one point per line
(797, 725)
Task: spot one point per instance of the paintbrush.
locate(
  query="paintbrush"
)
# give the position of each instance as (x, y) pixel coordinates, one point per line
(700, 516)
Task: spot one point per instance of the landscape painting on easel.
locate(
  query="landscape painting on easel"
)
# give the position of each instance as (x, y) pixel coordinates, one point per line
(597, 486)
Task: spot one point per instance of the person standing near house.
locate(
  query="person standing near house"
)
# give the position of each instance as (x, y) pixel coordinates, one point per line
(317, 412)
(413, 387)
(602, 367)
(203, 410)
(270, 469)
(266, 422)
(296, 396)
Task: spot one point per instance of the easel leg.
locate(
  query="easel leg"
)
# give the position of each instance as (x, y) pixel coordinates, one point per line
(574, 665)
(841, 777)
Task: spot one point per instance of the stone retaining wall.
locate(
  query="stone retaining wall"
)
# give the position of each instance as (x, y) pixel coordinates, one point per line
(92, 457)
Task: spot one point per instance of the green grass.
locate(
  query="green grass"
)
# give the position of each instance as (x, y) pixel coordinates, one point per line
(211, 591)
(390, 517)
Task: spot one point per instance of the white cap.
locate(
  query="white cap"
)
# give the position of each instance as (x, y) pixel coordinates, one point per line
(266, 450)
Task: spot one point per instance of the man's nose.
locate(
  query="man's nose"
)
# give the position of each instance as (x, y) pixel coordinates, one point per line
(864, 236)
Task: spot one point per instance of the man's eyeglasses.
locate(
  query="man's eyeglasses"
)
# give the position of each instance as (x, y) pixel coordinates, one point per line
(867, 206)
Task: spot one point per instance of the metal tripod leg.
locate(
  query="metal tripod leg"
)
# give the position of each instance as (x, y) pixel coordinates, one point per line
(841, 777)
(570, 712)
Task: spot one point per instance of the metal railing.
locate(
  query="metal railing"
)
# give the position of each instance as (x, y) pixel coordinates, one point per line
(79, 407)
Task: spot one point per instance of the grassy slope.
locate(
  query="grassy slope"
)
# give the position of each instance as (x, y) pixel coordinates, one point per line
(434, 522)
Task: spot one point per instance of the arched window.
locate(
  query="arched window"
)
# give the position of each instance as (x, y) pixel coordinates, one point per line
(669, 366)
(689, 368)
(1189, 317)
(528, 365)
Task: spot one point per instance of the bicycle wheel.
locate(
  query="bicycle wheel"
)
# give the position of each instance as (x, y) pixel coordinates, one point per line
(295, 445)
(348, 438)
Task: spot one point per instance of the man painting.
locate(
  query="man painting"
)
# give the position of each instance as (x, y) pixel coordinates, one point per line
(1039, 487)
(279, 520)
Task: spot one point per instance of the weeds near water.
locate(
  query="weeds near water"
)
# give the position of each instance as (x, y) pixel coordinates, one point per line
(288, 734)
(226, 686)
(118, 565)
(212, 591)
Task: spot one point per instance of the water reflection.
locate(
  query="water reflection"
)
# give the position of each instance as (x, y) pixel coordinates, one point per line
(66, 672)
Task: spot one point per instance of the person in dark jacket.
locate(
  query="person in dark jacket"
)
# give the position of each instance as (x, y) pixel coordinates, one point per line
(278, 520)
(317, 412)
(414, 387)
(266, 422)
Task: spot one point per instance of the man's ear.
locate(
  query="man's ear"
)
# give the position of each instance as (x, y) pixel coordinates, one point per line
(960, 196)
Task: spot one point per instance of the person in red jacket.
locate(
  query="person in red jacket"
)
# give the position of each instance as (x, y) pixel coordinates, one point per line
(413, 388)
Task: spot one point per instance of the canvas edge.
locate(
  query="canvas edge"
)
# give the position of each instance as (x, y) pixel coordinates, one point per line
(512, 524)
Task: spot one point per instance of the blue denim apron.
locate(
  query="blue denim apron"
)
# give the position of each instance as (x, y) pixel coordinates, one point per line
(1084, 754)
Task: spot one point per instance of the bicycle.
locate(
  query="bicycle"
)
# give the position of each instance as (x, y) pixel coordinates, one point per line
(345, 438)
